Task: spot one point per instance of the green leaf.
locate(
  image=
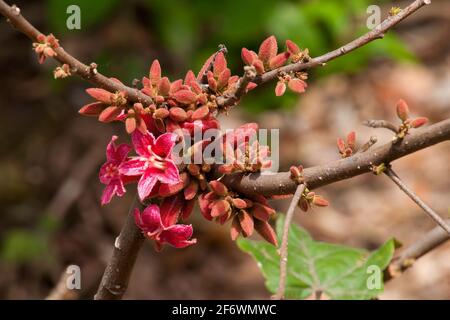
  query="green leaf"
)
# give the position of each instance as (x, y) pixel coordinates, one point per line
(338, 271)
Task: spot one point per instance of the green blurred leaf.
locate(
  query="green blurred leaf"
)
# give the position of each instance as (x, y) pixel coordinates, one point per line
(48, 223)
(92, 13)
(340, 272)
(21, 246)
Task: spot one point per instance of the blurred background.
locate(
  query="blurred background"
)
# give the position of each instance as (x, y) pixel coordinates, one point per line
(50, 216)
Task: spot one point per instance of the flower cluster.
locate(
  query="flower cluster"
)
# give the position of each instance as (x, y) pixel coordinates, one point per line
(347, 148)
(243, 152)
(158, 224)
(178, 109)
(247, 214)
(62, 72)
(268, 59)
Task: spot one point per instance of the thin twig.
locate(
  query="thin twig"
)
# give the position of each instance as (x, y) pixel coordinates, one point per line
(433, 215)
(115, 279)
(366, 146)
(284, 242)
(61, 290)
(381, 124)
(376, 33)
(12, 13)
(223, 49)
(427, 243)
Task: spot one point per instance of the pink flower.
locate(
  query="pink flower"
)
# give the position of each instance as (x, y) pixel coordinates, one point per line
(154, 162)
(109, 172)
(158, 226)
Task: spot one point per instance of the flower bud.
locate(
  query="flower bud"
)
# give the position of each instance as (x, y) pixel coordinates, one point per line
(218, 187)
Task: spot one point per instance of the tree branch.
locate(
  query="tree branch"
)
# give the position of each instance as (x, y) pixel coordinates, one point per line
(134, 95)
(376, 33)
(381, 124)
(431, 213)
(117, 273)
(241, 88)
(284, 242)
(12, 13)
(318, 176)
(406, 259)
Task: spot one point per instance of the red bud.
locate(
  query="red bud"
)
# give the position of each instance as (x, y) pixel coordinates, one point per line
(268, 49)
(220, 207)
(130, 124)
(218, 187)
(178, 114)
(246, 222)
(261, 211)
(351, 139)
(164, 86)
(191, 190)
(239, 203)
(109, 114)
(185, 96)
(297, 85)
(155, 72)
(402, 110)
(292, 47)
(319, 201)
(266, 231)
(341, 145)
(220, 64)
(161, 113)
(92, 109)
(200, 113)
(280, 89)
(100, 94)
(279, 60)
(235, 229)
(248, 56)
(418, 122)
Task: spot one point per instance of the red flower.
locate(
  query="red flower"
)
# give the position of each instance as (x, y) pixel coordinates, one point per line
(154, 162)
(109, 172)
(155, 225)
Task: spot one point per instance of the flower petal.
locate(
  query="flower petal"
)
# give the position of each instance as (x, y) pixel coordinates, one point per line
(122, 151)
(170, 210)
(132, 167)
(146, 184)
(164, 144)
(111, 149)
(178, 236)
(149, 220)
(108, 193)
(170, 175)
(141, 142)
